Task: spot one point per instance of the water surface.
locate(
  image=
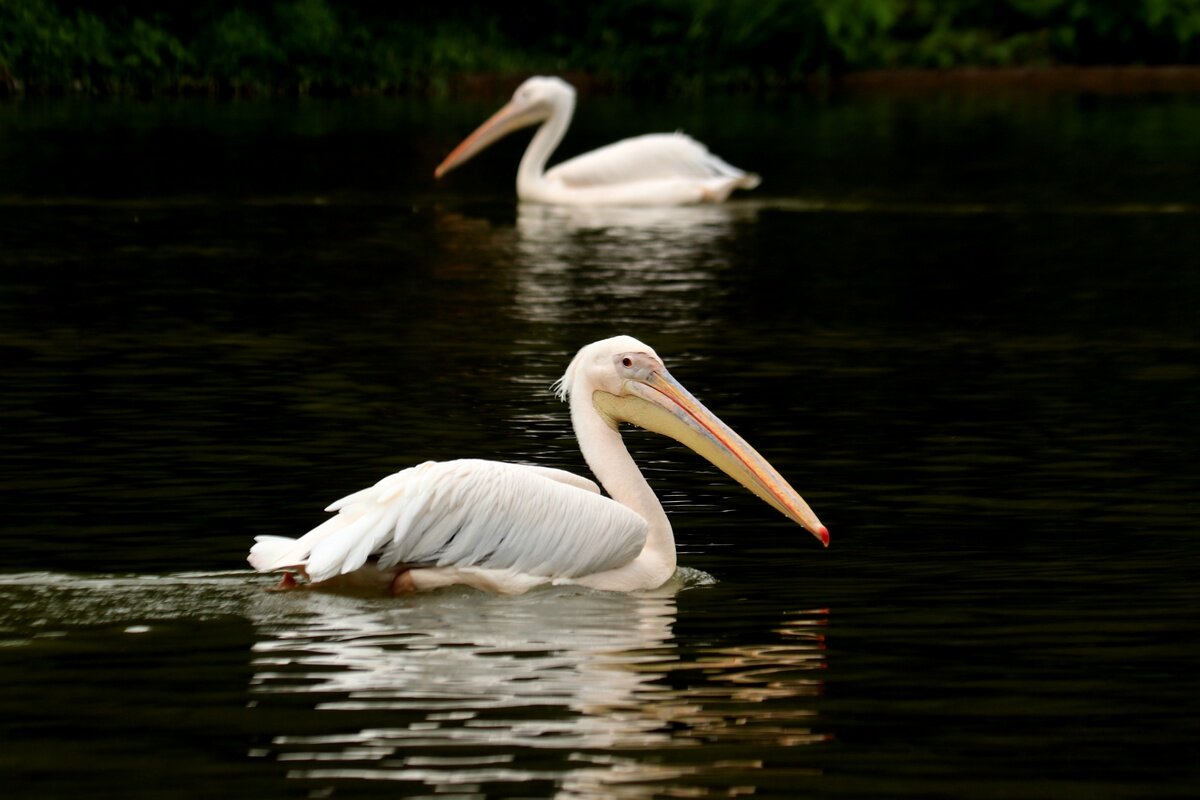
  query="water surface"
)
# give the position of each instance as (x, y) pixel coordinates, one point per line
(964, 327)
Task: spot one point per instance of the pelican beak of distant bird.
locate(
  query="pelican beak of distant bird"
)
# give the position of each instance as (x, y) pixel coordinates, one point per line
(513, 116)
(650, 398)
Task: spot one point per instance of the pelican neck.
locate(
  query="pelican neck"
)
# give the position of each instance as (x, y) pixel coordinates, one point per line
(532, 169)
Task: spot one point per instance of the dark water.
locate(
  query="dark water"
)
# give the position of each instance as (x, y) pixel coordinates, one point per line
(967, 328)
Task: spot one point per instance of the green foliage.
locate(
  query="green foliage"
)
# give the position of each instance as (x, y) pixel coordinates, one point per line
(150, 50)
(306, 45)
(238, 49)
(857, 29)
(1177, 19)
(310, 33)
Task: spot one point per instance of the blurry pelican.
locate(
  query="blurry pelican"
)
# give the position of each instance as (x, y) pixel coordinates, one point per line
(660, 169)
(509, 527)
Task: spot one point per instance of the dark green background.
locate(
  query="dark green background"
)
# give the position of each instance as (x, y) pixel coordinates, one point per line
(366, 45)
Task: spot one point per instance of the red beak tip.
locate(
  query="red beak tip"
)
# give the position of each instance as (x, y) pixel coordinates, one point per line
(823, 535)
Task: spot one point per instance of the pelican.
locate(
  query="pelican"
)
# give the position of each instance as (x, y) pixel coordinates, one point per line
(660, 169)
(507, 528)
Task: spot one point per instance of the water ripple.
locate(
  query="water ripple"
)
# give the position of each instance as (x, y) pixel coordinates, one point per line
(465, 676)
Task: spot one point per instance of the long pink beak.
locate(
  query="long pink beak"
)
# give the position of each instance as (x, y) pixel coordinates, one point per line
(508, 119)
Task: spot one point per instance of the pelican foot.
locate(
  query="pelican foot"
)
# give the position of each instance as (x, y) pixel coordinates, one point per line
(403, 583)
(287, 583)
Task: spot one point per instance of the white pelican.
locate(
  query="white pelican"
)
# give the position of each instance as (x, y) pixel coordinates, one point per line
(509, 527)
(659, 169)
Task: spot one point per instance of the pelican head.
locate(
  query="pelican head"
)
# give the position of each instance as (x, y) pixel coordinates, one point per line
(627, 382)
(534, 102)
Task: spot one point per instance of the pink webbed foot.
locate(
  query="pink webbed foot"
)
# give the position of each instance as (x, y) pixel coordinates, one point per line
(403, 583)
(287, 583)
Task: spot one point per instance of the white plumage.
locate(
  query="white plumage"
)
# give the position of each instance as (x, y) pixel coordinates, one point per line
(665, 165)
(509, 527)
(654, 169)
(467, 513)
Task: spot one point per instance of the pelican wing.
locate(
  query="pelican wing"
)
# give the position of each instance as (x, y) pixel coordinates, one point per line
(656, 156)
(467, 513)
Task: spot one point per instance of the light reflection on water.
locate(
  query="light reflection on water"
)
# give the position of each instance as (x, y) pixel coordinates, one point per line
(588, 692)
(461, 690)
(449, 691)
(40, 604)
(623, 261)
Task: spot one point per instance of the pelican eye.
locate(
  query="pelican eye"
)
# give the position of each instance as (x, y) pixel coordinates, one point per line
(626, 362)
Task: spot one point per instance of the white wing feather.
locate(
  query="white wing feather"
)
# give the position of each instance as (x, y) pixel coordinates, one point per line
(533, 520)
(655, 156)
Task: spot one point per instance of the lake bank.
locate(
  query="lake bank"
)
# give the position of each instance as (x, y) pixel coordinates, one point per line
(1094, 79)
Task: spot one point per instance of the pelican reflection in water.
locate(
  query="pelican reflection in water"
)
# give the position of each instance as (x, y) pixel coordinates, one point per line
(664, 169)
(507, 528)
(442, 692)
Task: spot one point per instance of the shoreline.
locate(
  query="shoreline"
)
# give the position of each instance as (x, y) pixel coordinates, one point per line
(1093, 79)
(1135, 79)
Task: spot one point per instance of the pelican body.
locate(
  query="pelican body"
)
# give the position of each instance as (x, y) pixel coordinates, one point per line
(507, 528)
(665, 169)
